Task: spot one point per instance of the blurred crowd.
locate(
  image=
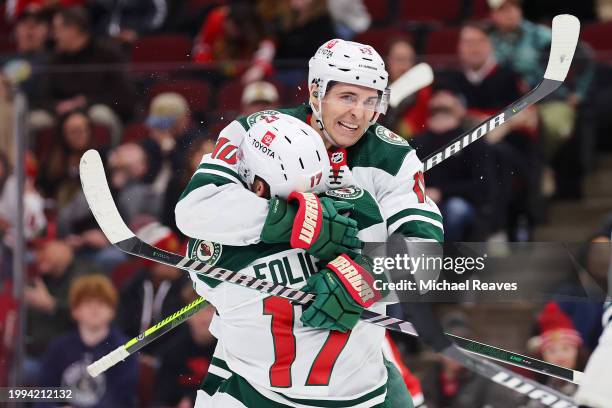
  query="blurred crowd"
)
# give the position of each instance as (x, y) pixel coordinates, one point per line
(150, 83)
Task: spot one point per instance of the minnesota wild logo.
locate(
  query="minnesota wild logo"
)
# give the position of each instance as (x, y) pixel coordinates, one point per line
(390, 137)
(206, 251)
(257, 116)
(345, 193)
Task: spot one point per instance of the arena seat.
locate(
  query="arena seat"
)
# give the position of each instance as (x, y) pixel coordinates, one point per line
(135, 133)
(430, 11)
(163, 48)
(598, 36)
(441, 45)
(380, 37)
(378, 9)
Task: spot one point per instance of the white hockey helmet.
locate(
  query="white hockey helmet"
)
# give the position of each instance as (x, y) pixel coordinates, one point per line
(286, 153)
(352, 63)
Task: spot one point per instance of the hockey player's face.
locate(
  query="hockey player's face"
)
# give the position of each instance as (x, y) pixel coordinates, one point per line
(347, 111)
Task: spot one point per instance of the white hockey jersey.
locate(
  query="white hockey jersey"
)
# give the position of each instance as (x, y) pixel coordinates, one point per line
(262, 338)
(215, 206)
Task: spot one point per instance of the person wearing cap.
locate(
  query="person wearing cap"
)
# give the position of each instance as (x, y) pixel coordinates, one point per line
(93, 302)
(559, 343)
(155, 290)
(462, 188)
(258, 96)
(171, 132)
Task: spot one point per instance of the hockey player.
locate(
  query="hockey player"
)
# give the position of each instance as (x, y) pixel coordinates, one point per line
(348, 91)
(265, 357)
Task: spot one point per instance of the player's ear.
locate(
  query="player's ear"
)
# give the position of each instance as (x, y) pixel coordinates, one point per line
(260, 188)
(313, 96)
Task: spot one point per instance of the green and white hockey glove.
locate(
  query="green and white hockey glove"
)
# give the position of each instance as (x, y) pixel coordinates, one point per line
(343, 289)
(311, 223)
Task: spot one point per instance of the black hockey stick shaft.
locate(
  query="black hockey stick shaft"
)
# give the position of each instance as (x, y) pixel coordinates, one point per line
(545, 88)
(102, 205)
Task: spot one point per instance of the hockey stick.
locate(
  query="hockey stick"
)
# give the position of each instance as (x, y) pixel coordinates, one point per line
(431, 333)
(416, 78)
(151, 334)
(102, 206)
(565, 32)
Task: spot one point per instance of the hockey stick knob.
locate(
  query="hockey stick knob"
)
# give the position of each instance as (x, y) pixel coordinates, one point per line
(104, 363)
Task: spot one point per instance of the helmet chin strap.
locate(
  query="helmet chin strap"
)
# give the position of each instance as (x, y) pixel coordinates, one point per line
(319, 119)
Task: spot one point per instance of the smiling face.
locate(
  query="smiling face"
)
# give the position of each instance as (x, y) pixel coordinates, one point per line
(347, 111)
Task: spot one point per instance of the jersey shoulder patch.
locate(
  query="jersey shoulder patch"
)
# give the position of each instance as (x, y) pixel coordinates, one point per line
(300, 112)
(380, 148)
(388, 136)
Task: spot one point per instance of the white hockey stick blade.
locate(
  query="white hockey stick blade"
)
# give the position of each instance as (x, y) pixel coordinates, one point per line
(565, 33)
(104, 211)
(415, 79)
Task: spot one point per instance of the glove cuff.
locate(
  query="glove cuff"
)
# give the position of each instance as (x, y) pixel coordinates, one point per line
(307, 222)
(279, 222)
(357, 280)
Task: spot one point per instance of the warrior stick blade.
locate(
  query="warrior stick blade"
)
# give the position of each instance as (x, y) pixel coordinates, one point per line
(565, 33)
(99, 198)
(413, 80)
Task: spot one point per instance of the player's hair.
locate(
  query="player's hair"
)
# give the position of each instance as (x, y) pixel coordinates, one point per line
(92, 287)
(483, 27)
(75, 16)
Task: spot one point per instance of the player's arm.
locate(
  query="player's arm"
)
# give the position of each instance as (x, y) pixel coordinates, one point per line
(406, 208)
(595, 390)
(215, 205)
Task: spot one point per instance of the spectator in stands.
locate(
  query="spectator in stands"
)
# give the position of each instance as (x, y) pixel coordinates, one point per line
(15, 9)
(524, 46)
(558, 343)
(31, 34)
(6, 118)
(593, 279)
(185, 360)
(350, 17)
(258, 96)
(128, 20)
(232, 35)
(59, 178)
(154, 292)
(409, 117)
(127, 165)
(34, 220)
(103, 91)
(47, 298)
(462, 188)
(177, 183)
(450, 385)
(300, 27)
(488, 88)
(93, 302)
(171, 133)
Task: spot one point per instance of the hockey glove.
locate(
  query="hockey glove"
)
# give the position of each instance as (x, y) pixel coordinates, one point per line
(311, 223)
(343, 289)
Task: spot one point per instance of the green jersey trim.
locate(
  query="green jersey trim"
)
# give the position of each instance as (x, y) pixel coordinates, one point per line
(217, 167)
(421, 229)
(413, 211)
(243, 391)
